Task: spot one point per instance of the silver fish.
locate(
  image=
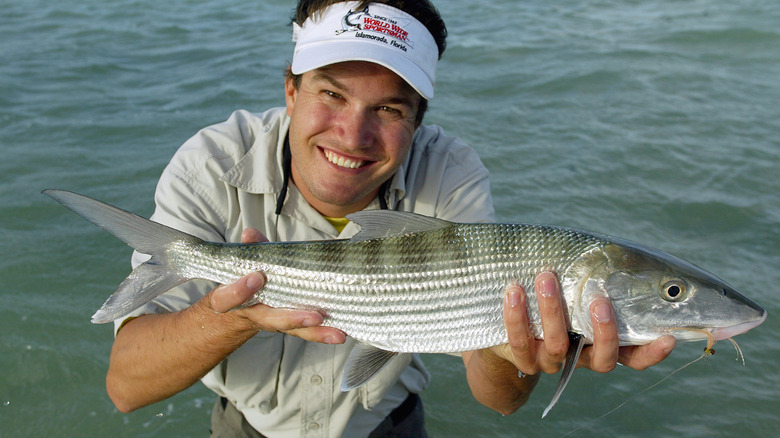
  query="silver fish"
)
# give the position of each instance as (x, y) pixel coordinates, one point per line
(414, 284)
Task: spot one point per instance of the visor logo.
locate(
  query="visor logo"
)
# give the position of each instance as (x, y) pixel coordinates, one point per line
(361, 22)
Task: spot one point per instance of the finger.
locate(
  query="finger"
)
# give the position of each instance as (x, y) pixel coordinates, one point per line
(644, 356)
(603, 356)
(252, 235)
(304, 324)
(551, 310)
(270, 319)
(230, 296)
(324, 335)
(521, 339)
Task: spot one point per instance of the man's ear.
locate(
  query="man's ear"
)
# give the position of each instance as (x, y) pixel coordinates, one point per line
(290, 94)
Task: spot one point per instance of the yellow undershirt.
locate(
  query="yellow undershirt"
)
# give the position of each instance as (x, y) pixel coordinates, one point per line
(338, 222)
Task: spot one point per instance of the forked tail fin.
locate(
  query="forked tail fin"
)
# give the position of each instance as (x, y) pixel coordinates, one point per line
(149, 279)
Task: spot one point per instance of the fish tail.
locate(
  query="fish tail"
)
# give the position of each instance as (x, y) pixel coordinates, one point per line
(149, 279)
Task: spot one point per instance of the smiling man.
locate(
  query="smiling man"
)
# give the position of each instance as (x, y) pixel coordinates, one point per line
(349, 138)
(351, 129)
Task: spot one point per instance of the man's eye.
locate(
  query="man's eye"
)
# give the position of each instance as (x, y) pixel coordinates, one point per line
(390, 109)
(332, 94)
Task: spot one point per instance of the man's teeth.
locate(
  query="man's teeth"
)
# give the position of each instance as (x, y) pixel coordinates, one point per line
(341, 161)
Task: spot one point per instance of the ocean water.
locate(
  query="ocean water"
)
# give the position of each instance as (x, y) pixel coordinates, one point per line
(656, 121)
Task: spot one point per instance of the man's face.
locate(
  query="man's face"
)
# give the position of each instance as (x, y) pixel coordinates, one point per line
(351, 128)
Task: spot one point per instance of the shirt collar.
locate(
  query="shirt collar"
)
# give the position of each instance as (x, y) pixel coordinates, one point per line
(259, 171)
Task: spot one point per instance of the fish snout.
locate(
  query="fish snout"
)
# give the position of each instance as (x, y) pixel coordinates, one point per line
(721, 333)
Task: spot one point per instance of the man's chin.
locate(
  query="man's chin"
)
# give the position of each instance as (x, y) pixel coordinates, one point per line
(341, 198)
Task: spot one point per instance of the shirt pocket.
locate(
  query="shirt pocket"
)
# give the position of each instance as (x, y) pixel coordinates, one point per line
(251, 373)
(374, 391)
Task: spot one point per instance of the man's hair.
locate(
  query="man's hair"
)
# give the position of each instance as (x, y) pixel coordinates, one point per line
(422, 10)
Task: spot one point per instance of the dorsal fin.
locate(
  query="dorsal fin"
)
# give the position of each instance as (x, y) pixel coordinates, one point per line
(378, 224)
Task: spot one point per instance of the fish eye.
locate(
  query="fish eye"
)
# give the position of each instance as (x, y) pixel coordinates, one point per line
(674, 290)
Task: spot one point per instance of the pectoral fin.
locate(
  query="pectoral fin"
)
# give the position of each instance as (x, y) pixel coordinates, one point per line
(363, 363)
(576, 342)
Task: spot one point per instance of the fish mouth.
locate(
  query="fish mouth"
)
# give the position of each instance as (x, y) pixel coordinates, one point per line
(718, 333)
(721, 333)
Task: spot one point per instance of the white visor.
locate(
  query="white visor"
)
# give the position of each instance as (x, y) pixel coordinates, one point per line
(379, 33)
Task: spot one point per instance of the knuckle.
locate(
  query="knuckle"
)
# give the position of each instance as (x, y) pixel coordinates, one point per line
(635, 364)
(604, 367)
(557, 350)
(551, 368)
(520, 345)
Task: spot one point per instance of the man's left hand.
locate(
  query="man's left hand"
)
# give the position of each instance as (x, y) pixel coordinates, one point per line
(532, 356)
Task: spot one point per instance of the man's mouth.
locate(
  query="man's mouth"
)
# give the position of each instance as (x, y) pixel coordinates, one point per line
(341, 161)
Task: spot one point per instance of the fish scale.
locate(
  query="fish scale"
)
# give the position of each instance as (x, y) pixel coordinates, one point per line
(408, 283)
(432, 292)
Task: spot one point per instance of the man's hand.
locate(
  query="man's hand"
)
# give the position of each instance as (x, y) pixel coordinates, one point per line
(532, 355)
(499, 388)
(157, 355)
(301, 323)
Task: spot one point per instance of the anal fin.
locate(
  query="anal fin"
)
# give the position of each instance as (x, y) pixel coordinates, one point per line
(576, 342)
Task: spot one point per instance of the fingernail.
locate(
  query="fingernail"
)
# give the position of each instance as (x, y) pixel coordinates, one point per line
(602, 312)
(547, 287)
(331, 340)
(513, 298)
(255, 281)
(309, 322)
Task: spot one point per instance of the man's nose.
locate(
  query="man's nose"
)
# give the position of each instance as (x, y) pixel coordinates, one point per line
(358, 128)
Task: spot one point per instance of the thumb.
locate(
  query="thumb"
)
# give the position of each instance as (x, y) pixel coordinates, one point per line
(227, 297)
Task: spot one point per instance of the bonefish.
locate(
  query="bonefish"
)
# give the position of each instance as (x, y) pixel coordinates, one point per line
(414, 284)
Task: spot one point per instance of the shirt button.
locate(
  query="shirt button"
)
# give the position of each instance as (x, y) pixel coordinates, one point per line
(315, 380)
(314, 426)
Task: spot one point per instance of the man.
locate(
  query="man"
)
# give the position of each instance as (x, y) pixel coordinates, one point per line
(349, 138)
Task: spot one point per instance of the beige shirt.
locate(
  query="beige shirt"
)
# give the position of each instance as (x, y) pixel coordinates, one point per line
(227, 178)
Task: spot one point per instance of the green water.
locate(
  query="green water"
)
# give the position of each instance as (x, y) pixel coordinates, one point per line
(655, 121)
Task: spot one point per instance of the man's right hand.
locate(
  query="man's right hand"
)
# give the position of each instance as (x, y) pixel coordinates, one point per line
(304, 324)
(155, 356)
